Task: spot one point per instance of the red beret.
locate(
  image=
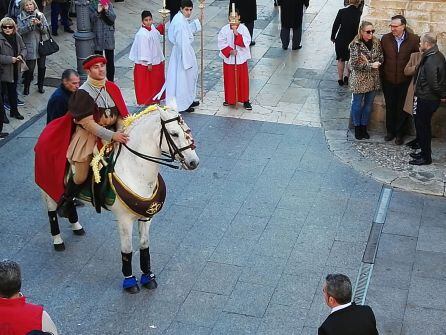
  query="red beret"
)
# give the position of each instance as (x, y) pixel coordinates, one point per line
(92, 60)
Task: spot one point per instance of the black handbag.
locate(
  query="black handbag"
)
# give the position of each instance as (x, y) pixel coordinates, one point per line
(47, 47)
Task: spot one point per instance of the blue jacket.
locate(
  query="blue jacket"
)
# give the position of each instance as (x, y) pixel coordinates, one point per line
(58, 104)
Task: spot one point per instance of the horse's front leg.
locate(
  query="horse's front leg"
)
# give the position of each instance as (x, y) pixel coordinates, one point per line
(147, 277)
(125, 227)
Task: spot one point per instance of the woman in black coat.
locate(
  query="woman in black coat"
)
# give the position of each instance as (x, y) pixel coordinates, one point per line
(248, 14)
(345, 28)
(291, 17)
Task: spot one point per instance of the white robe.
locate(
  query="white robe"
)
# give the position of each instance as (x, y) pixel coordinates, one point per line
(226, 39)
(182, 72)
(146, 48)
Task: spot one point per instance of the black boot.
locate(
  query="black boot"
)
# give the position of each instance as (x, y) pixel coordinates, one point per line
(66, 202)
(365, 134)
(40, 78)
(26, 82)
(358, 133)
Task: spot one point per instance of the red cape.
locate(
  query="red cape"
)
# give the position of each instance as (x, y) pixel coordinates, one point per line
(52, 145)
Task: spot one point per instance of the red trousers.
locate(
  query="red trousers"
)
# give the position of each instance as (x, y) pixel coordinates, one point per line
(229, 81)
(148, 83)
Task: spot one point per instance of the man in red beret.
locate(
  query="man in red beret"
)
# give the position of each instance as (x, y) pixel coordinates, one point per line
(95, 111)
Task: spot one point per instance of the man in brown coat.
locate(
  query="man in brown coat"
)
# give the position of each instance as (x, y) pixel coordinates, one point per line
(397, 47)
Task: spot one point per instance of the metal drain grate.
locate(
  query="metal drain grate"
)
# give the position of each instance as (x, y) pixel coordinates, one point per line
(368, 258)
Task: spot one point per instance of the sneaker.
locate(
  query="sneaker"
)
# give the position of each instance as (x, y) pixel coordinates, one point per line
(247, 105)
(20, 102)
(6, 105)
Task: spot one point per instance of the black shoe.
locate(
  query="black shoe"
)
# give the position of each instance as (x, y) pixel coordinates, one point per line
(5, 119)
(26, 90)
(250, 44)
(4, 135)
(225, 103)
(68, 30)
(54, 33)
(40, 89)
(389, 137)
(399, 140)
(415, 146)
(190, 110)
(20, 102)
(416, 155)
(420, 161)
(365, 134)
(195, 104)
(297, 48)
(346, 80)
(72, 14)
(247, 105)
(17, 115)
(341, 82)
(284, 47)
(358, 133)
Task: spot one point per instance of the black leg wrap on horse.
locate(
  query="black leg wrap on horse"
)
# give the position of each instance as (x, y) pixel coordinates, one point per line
(72, 215)
(144, 260)
(126, 264)
(54, 223)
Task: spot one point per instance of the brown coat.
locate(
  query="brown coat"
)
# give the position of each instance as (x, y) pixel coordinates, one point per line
(409, 71)
(394, 61)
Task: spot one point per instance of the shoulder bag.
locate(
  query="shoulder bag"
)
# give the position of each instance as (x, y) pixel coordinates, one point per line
(49, 46)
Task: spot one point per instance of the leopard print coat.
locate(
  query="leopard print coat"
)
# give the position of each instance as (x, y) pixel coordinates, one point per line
(363, 78)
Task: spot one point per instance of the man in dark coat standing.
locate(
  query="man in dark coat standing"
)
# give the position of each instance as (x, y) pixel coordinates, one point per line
(248, 14)
(58, 102)
(397, 47)
(173, 6)
(346, 318)
(291, 17)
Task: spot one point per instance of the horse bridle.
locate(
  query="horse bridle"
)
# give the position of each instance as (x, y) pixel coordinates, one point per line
(173, 148)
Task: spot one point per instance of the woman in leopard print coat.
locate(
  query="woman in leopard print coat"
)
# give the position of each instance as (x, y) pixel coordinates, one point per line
(366, 57)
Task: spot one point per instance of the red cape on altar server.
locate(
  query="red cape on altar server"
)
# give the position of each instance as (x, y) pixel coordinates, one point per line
(52, 145)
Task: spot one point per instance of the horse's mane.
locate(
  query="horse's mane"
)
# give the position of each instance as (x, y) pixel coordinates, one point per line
(132, 118)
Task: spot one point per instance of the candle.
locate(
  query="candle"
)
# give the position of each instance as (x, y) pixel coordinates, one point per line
(164, 3)
(233, 9)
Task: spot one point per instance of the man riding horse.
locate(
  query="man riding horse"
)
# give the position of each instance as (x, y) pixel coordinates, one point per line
(96, 110)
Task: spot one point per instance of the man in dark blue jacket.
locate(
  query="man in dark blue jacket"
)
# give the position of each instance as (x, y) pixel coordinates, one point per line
(58, 102)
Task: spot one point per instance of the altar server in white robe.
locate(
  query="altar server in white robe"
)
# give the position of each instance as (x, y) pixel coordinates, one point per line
(147, 54)
(182, 72)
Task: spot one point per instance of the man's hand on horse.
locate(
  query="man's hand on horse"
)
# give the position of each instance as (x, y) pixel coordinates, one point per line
(120, 137)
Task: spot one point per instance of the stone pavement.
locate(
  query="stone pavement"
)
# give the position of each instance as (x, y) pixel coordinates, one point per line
(244, 242)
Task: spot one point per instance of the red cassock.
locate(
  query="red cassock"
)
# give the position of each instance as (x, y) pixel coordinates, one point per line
(229, 74)
(50, 160)
(148, 83)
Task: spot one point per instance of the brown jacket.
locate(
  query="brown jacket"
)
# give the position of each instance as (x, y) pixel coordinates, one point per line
(394, 61)
(409, 71)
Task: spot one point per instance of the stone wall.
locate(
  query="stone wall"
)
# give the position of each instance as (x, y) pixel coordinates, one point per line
(422, 16)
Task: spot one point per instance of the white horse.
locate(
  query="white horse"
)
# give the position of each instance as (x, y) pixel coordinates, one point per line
(151, 133)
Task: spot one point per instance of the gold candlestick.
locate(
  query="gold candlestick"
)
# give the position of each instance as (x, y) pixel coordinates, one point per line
(164, 14)
(201, 6)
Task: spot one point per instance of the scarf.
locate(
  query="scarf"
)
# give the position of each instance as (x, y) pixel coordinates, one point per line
(96, 83)
(12, 40)
(368, 44)
(148, 28)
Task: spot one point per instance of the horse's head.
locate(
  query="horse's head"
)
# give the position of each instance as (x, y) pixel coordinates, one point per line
(177, 140)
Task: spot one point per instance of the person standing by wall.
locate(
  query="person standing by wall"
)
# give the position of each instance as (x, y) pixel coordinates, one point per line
(366, 58)
(12, 56)
(430, 89)
(60, 7)
(345, 27)
(102, 18)
(397, 46)
(31, 25)
(248, 14)
(291, 17)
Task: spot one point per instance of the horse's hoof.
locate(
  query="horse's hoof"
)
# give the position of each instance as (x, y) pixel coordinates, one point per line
(148, 281)
(59, 247)
(130, 285)
(79, 232)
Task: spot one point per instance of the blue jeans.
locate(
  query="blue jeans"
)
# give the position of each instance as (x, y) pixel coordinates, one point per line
(362, 104)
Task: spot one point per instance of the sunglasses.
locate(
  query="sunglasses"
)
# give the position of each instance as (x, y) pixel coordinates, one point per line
(7, 27)
(370, 31)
